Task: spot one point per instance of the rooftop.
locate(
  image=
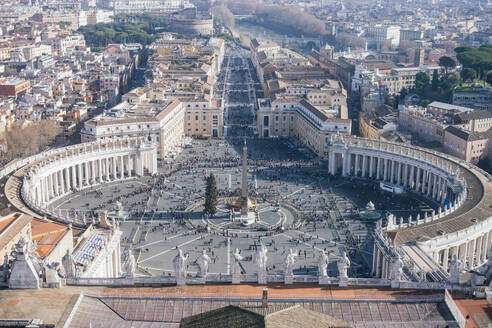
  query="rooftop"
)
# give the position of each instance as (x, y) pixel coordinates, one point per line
(11, 225)
(474, 115)
(47, 235)
(126, 307)
(449, 107)
(274, 315)
(140, 112)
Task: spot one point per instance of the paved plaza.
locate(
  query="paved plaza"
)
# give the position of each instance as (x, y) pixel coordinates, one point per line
(320, 212)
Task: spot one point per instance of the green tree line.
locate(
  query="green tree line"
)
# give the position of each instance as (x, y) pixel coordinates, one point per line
(126, 28)
(476, 61)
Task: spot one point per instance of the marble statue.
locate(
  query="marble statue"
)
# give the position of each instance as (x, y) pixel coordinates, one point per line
(261, 258)
(290, 259)
(322, 264)
(25, 273)
(130, 265)
(396, 268)
(236, 268)
(455, 266)
(4, 269)
(179, 264)
(69, 265)
(51, 275)
(203, 262)
(343, 264)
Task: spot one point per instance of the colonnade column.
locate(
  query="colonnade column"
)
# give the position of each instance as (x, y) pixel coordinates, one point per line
(107, 169)
(113, 160)
(99, 166)
(434, 187)
(398, 180)
(371, 166)
(51, 184)
(62, 181)
(86, 173)
(122, 168)
(364, 166)
(385, 170)
(445, 258)
(55, 181)
(378, 168)
(484, 250)
(392, 179)
(129, 165)
(93, 171)
(79, 175)
(428, 183)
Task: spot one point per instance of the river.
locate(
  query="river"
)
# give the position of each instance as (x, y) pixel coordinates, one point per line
(249, 30)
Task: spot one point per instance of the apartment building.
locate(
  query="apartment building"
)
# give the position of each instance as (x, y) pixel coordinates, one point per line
(377, 33)
(421, 123)
(400, 78)
(160, 123)
(165, 123)
(467, 145)
(473, 97)
(14, 87)
(293, 117)
(475, 121)
(201, 119)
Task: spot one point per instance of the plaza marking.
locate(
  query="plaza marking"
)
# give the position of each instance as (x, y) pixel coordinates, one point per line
(98, 188)
(308, 186)
(175, 247)
(160, 241)
(302, 242)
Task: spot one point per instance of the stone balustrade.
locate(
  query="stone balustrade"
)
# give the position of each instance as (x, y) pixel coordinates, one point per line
(252, 278)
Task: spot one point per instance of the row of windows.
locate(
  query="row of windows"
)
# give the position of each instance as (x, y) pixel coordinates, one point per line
(127, 127)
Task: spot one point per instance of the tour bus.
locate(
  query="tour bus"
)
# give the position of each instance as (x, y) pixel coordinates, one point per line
(391, 188)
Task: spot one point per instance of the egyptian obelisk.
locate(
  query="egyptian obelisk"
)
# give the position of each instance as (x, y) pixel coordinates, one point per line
(244, 186)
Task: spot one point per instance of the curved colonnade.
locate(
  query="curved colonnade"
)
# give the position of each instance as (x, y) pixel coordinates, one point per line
(462, 225)
(462, 192)
(74, 168)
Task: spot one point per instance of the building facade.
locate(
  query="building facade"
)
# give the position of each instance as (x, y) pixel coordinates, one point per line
(298, 118)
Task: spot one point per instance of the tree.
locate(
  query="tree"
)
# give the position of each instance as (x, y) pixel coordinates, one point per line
(468, 74)
(424, 102)
(447, 63)
(484, 164)
(211, 200)
(480, 59)
(435, 80)
(225, 15)
(26, 140)
(422, 80)
(489, 78)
